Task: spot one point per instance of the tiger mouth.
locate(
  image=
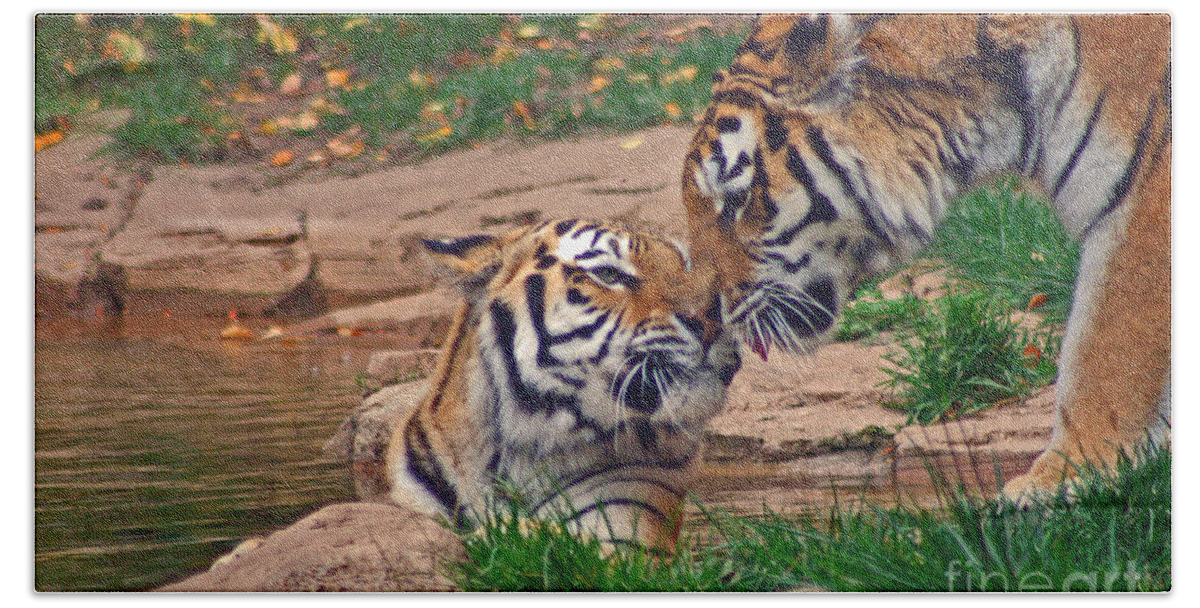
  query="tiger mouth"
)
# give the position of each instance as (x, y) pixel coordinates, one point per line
(775, 315)
(647, 378)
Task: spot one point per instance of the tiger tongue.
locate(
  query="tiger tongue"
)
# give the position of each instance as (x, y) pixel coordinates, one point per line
(759, 346)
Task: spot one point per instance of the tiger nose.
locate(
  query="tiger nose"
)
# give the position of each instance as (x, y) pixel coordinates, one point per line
(707, 326)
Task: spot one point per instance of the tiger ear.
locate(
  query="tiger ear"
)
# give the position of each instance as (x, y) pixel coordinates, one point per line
(471, 261)
(823, 53)
(464, 256)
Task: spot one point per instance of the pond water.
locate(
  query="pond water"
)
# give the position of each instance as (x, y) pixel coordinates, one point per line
(158, 447)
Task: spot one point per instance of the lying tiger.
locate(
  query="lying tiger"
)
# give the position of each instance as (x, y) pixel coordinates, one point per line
(834, 145)
(577, 378)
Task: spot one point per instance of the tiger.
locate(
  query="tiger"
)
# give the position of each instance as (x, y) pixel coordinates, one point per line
(575, 381)
(834, 145)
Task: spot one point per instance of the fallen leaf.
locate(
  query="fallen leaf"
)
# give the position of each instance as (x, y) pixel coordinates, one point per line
(684, 74)
(504, 52)
(1037, 301)
(598, 82)
(201, 18)
(235, 331)
(282, 157)
(125, 50)
(631, 143)
(441, 133)
(528, 30)
(608, 64)
(282, 41)
(306, 121)
(343, 149)
(291, 84)
(420, 80)
(523, 112)
(592, 22)
(354, 22)
(244, 94)
(672, 109)
(46, 139)
(273, 331)
(337, 78)
(316, 157)
(1034, 353)
(1037, 257)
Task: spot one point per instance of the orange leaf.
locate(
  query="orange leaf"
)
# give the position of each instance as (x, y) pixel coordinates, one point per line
(672, 109)
(282, 158)
(282, 41)
(1033, 352)
(523, 112)
(337, 78)
(598, 82)
(46, 139)
(1037, 301)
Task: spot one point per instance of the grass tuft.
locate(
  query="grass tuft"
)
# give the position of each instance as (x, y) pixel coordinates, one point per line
(1011, 244)
(964, 355)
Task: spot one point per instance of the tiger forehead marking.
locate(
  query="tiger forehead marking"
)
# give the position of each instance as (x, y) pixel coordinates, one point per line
(835, 144)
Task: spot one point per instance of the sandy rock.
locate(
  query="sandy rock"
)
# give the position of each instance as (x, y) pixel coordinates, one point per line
(793, 406)
(218, 229)
(362, 439)
(343, 547)
(80, 198)
(409, 314)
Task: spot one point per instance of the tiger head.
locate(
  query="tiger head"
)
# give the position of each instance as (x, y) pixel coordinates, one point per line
(766, 193)
(591, 330)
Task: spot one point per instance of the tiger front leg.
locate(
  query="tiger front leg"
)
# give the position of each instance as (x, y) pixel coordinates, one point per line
(1114, 373)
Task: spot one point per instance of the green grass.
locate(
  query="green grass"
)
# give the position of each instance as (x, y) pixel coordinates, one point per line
(1116, 535)
(964, 355)
(870, 314)
(1009, 243)
(507, 557)
(418, 84)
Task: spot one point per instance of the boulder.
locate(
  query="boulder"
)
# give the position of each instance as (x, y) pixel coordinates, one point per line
(365, 547)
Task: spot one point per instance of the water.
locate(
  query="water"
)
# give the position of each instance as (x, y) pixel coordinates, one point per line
(158, 447)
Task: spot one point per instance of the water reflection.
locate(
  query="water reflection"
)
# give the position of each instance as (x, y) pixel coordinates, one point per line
(155, 451)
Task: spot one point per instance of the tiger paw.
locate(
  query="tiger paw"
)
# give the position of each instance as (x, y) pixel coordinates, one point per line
(1029, 490)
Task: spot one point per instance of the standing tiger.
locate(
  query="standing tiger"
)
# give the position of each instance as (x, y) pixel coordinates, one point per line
(835, 143)
(577, 378)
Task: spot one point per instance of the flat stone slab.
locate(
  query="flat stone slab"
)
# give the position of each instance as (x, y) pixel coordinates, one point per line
(219, 230)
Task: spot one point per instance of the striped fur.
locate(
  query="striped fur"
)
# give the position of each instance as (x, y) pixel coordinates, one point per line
(835, 143)
(576, 379)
